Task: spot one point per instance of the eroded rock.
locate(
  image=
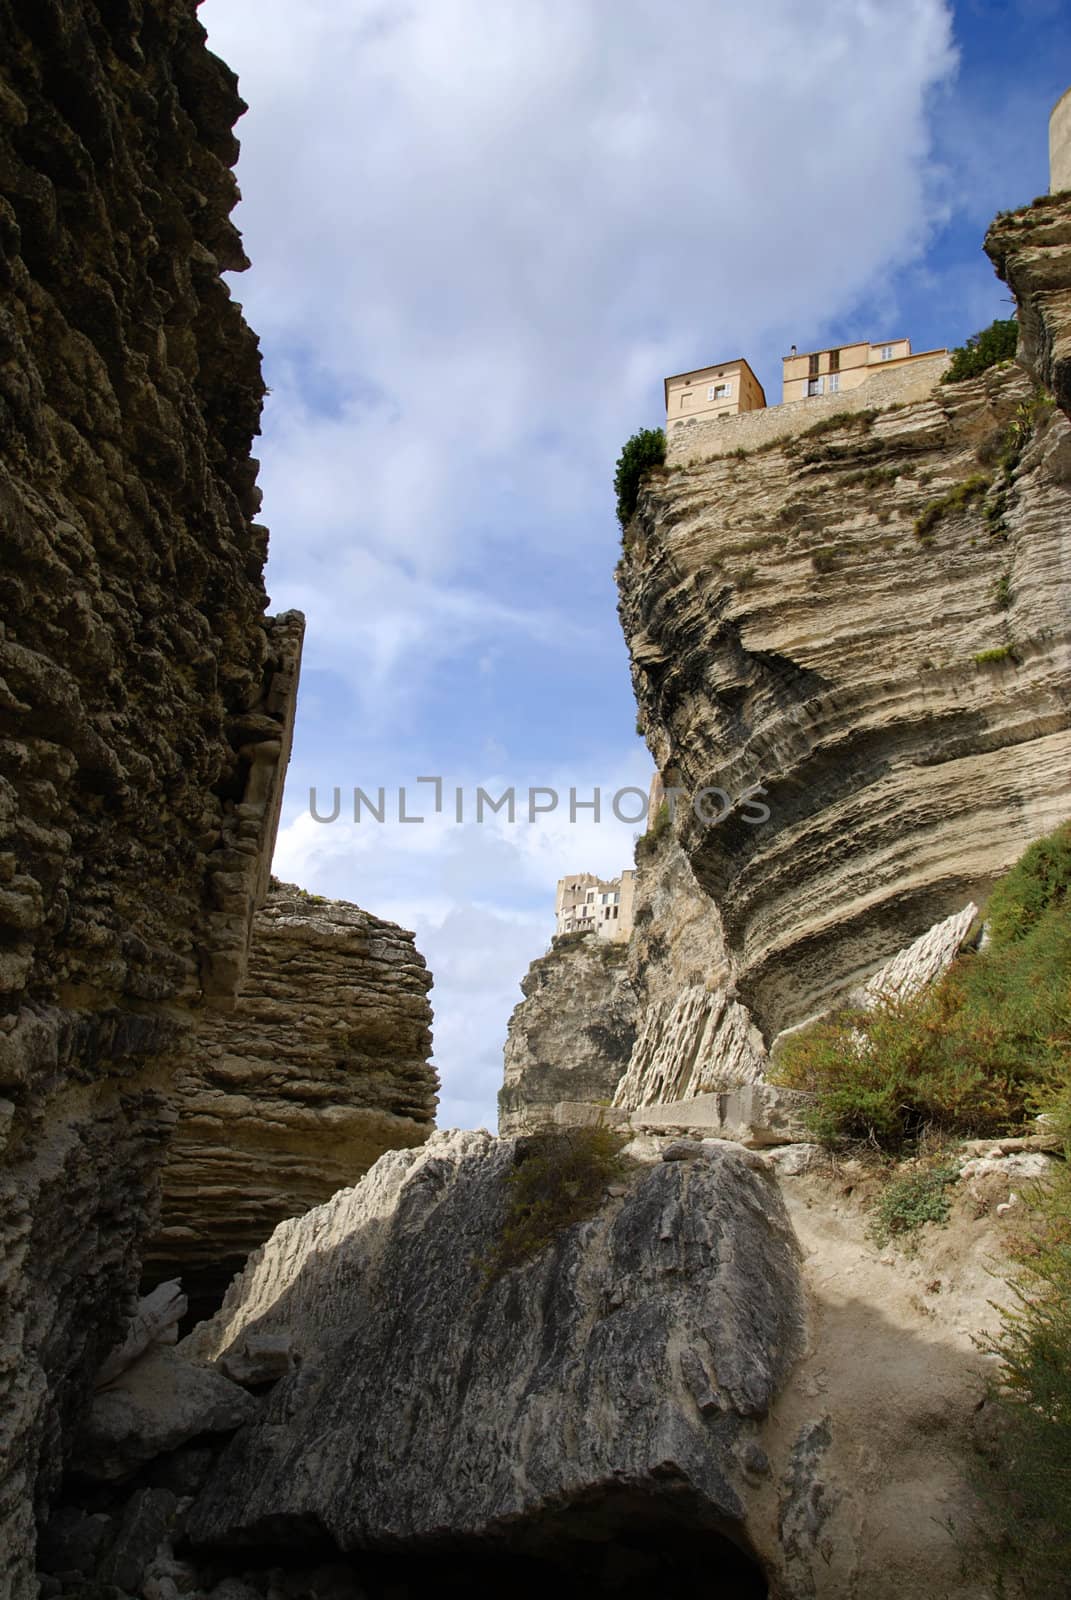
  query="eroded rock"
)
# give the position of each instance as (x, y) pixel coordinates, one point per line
(618, 1374)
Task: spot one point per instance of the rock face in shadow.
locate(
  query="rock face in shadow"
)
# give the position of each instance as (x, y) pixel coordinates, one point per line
(622, 1372)
(631, 1025)
(320, 1068)
(571, 1036)
(873, 623)
(145, 700)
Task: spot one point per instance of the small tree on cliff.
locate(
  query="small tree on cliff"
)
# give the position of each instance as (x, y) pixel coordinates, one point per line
(982, 350)
(644, 450)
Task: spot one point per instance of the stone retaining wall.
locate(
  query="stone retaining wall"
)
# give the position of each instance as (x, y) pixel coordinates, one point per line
(695, 440)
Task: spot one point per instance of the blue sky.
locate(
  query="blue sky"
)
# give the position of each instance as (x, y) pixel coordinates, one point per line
(481, 237)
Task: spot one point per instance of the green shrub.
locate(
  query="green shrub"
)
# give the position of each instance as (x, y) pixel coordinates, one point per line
(825, 559)
(744, 578)
(956, 499)
(1000, 652)
(1002, 595)
(647, 843)
(1037, 888)
(984, 349)
(559, 1179)
(643, 451)
(1027, 1490)
(972, 1052)
(916, 1196)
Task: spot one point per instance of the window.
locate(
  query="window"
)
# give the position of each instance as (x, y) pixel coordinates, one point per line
(834, 383)
(814, 386)
(615, 911)
(686, 399)
(812, 366)
(720, 391)
(834, 361)
(886, 352)
(590, 897)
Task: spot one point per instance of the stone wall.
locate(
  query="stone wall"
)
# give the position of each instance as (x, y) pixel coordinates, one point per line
(321, 1066)
(145, 700)
(900, 694)
(752, 430)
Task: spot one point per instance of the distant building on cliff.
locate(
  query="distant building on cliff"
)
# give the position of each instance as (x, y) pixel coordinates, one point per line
(723, 390)
(588, 904)
(843, 367)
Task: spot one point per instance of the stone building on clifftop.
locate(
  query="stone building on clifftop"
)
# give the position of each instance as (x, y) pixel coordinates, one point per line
(588, 904)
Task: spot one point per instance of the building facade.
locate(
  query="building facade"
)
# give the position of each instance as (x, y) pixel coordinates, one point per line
(723, 390)
(589, 904)
(843, 367)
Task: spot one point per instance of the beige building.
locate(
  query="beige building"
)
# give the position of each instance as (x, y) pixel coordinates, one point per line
(1060, 145)
(603, 906)
(844, 367)
(719, 391)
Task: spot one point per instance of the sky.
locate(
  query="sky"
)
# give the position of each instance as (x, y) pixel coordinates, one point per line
(481, 236)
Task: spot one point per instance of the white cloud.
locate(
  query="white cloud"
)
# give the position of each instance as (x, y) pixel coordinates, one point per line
(482, 234)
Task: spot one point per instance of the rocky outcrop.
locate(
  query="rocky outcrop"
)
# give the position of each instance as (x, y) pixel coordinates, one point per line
(145, 700)
(1031, 250)
(614, 1385)
(871, 622)
(571, 1036)
(648, 1404)
(632, 1025)
(321, 1066)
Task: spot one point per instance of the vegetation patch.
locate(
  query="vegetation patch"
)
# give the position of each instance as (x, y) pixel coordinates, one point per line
(744, 578)
(969, 1054)
(871, 477)
(646, 449)
(826, 558)
(647, 844)
(1026, 1489)
(983, 350)
(1000, 652)
(559, 1179)
(956, 499)
(916, 1196)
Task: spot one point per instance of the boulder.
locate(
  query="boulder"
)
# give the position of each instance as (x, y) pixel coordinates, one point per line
(614, 1378)
(154, 1407)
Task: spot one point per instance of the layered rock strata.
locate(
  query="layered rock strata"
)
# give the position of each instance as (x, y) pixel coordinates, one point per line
(872, 622)
(145, 700)
(322, 1065)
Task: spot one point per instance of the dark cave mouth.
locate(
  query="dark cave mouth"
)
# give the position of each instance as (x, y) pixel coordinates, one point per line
(569, 1556)
(668, 1561)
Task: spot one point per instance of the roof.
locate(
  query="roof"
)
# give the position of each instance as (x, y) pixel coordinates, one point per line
(715, 366)
(845, 344)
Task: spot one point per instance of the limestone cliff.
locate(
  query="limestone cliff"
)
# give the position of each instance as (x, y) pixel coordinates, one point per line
(322, 1065)
(571, 1037)
(872, 622)
(145, 700)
